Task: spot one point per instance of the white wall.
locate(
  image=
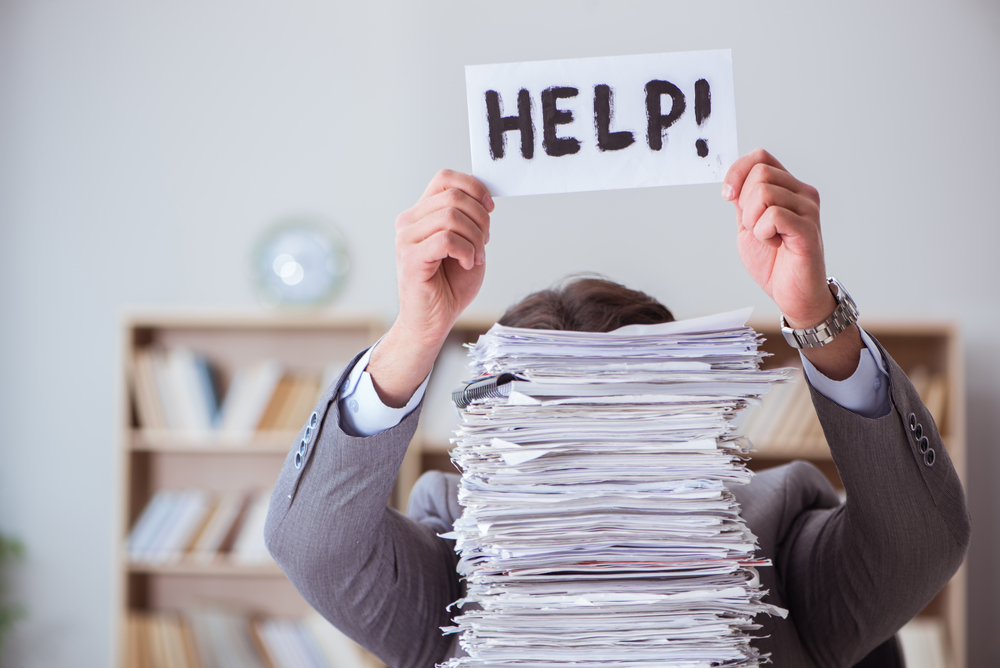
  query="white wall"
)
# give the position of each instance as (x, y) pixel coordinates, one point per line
(144, 146)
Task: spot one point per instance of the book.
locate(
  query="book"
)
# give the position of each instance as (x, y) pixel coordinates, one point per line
(184, 385)
(166, 528)
(301, 403)
(148, 403)
(220, 525)
(150, 521)
(271, 418)
(248, 397)
(249, 547)
(223, 639)
(338, 650)
(183, 522)
(174, 389)
(227, 638)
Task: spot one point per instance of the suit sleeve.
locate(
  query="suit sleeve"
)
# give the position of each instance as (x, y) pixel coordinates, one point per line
(380, 577)
(854, 574)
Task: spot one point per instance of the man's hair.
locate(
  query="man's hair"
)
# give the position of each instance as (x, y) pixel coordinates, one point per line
(586, 305)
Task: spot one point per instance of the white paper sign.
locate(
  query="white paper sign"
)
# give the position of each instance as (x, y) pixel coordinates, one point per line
(600, 123)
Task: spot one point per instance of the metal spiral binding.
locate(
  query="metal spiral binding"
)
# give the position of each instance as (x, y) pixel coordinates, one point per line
(490, 387)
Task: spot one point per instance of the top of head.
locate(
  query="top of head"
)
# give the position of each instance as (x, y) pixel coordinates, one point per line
(586, 304)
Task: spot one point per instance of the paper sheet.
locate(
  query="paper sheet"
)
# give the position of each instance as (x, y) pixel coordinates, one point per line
(602, 123)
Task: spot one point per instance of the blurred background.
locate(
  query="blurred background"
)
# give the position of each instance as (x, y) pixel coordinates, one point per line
(145, 148)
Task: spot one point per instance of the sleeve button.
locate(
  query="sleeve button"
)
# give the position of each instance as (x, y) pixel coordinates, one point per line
(918, 432)
(313, 419)
(912, 419)
(302, 447)
(929, 457)
(298, 460)
(924, 445)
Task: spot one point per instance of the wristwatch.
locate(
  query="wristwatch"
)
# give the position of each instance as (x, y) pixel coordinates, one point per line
(842, 317)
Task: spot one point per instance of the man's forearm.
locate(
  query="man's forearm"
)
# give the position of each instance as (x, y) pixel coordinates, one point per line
(399, 364)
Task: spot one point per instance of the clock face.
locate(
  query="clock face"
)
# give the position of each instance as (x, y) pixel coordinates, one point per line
(300, 261)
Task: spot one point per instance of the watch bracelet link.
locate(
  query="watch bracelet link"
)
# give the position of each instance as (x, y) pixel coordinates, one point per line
(843, 316)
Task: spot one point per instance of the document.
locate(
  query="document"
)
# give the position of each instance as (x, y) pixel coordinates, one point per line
(598, 530)
(632, 121)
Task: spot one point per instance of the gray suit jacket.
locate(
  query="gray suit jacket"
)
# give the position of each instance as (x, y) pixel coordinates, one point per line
(850, 573)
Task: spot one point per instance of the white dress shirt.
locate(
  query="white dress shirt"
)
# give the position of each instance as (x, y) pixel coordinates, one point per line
(866, 392)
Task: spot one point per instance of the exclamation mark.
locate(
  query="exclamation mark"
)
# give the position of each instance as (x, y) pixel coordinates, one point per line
(702, 110)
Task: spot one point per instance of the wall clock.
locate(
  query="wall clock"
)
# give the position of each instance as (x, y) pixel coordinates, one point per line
(300, 262)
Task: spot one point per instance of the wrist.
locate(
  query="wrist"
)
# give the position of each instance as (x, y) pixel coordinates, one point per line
(843, 315)
(820, 309)
(400, 364)
(838, 360)
(810, 302)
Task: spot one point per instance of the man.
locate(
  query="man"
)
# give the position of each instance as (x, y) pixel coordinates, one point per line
(850, 574)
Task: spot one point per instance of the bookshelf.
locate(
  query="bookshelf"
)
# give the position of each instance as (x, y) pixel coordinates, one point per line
(165, 458)
(220, 463)
(931, 355)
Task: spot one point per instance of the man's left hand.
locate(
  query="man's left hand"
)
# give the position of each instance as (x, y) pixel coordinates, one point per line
(779, 240)
(778, 236)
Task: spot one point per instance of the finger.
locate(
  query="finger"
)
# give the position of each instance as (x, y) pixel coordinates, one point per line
(766, 174)
(764, 195)
(444, 244)
(740, 169)
(449, 199)
(447, 178)
(452, 221)
(781, 227)
(421, 261)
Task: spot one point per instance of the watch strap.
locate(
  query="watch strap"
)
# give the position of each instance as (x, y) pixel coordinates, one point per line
(843, 316)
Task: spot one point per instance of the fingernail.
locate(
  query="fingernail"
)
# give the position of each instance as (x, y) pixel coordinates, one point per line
(481, 258)
(488, 203)
(486, 239)
(727, 192)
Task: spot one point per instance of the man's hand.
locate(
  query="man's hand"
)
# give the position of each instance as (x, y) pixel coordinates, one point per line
(779, 241)
(440, 265)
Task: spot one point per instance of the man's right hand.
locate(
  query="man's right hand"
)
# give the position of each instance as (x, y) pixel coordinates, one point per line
(440, 265)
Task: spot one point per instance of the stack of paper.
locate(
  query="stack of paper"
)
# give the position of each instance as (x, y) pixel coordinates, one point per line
(597, 528)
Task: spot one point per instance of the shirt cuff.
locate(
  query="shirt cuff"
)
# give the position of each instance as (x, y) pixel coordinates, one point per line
(362, 412)
(866, 392)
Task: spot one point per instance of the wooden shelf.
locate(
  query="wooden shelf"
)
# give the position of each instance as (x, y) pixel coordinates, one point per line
(165, 459)
(147, 440)
(220, 568)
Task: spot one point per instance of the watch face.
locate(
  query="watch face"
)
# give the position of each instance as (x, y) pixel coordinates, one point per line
(300, 261)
